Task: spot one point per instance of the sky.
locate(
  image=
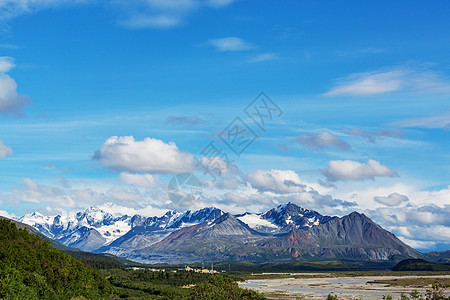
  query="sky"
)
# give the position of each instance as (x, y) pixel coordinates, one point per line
(344, 107)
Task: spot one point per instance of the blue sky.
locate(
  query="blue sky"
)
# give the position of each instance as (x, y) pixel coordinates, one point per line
(364, 88)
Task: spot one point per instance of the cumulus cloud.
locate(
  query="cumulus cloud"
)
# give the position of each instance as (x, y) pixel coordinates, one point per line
(185, 120)
(6, 64)
(79, 194)
(31, 191)
(245, 197)
(10, 101)
(5, 150)
(263, 57)
(418, 245)
(230, 44)
(423, 222)
(390, 80)
(394, 199)
(143, 180)
(222, 183)
(353, 170)
(372, 136)
(417, 215)
(322, 140)
(150, 156)
(217, 166)
(424, 237)
(278, 181)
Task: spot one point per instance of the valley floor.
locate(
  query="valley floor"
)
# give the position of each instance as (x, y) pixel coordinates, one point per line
(319, 285)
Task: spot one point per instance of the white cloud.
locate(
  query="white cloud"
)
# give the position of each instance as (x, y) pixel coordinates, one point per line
(433, 122)
(33, 192)
(6, 64)
(435, 197)
(394, 199)
(13, 8)
(143, 180)
(217, 166)
(132, 14)
(230, 44)
(120, 194)
(10, 100)
(322, 140)
(421, 220)
(264, 57)
(148, 211)
(219, 3)
(363, 84)
(246, 196)
(161, 14)
(390, 80)
(5, 150)
(278, 181)
(85, 193)
(418, 244)
(353, 170)
(144, 21)
(150, 156)
(5, 214)
(422, 234)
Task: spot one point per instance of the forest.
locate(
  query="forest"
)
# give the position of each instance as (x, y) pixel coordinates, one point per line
(30, 268)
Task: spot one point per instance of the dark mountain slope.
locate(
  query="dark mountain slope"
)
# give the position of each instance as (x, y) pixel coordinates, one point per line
(354, 236)
(420, 265)
(357, 229)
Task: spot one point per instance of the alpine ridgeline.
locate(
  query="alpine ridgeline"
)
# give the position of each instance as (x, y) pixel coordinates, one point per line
(285, 233)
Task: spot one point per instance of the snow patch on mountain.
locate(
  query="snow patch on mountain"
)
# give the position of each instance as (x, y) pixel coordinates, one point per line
(255, 221)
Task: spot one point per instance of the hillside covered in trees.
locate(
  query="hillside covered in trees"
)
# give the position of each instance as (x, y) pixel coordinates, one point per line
(32, 269)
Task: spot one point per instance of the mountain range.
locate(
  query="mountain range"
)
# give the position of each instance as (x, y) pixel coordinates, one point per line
(282, 234)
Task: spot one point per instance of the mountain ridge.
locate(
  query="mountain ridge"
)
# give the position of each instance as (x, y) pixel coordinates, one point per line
(283, 233)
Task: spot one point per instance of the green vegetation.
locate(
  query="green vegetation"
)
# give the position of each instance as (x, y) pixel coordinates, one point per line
(147, 284)
(318, 266)
(435, 293)
(420, 265)
(32, 269)
(103, 261)
(415, 282)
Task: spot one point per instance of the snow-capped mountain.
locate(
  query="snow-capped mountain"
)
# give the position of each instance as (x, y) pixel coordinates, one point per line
(86, 230)
(283, 218)
(285, 232)
(94, 228)
(290, 215)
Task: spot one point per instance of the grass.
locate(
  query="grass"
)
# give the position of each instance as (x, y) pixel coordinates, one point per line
(332, 274)
(415, 282)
